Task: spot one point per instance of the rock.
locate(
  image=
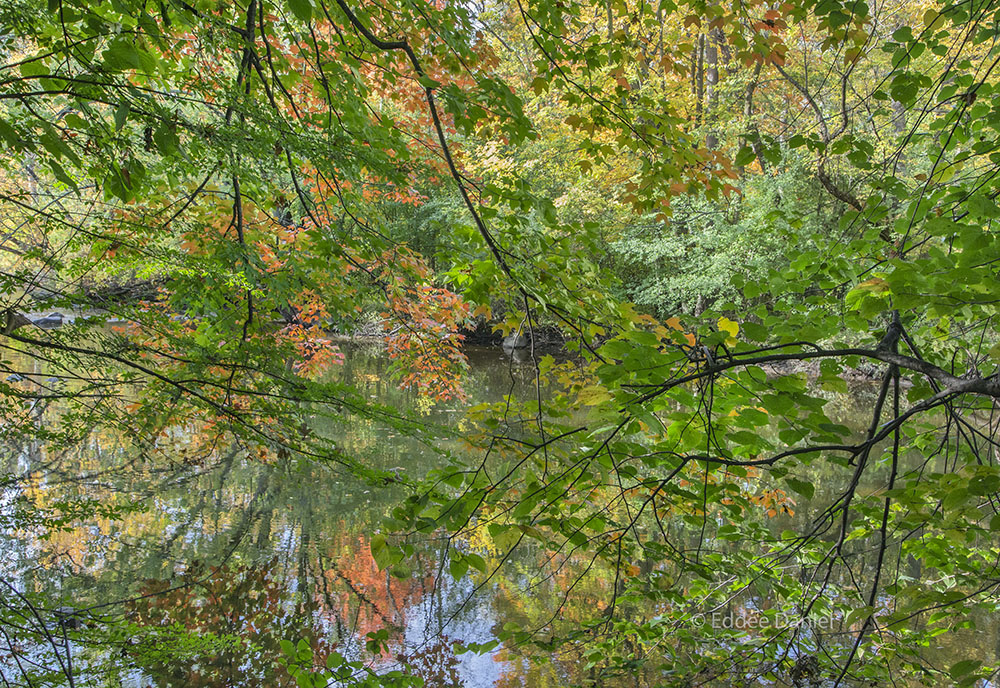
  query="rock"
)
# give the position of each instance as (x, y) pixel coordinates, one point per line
(50, 320)
(518, 355)
(805, 672)
(516, 341)
(68, 617)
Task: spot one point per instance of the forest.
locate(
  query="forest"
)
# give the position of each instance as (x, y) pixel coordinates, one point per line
(540, 343)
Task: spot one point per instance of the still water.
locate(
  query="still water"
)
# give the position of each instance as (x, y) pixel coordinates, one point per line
(247, 552)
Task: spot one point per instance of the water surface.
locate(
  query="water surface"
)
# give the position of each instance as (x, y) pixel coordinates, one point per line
(248, 550)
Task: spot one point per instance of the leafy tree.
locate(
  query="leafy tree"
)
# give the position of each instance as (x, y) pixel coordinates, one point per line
(226, 180)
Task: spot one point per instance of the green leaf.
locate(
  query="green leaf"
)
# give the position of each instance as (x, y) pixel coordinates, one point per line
(956, 498)
(428, 82)
(10, 136)
(858, 614)
(61, 174)
(963, 668)
(476, 561)
(745, 156)
(121, 56)
(121, 115)
(34, 68)
(302, 9)
(166, 139)
(802, 487)
(458, 567)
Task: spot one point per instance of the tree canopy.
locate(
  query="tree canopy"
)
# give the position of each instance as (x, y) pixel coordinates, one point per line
(726, 212)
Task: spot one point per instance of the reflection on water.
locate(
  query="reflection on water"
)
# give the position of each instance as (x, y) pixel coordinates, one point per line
(219, 556)
(244, 551)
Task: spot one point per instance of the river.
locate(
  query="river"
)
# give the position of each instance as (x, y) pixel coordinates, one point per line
(225, 554)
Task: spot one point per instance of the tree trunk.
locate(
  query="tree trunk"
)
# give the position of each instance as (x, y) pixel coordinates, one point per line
(899, 128)
(752, 125)
(711, 87)
(699, 79)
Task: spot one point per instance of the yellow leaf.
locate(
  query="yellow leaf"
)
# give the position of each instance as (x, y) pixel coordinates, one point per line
(875, 285)
(592, 395)
(728, 326)
(944, 174)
